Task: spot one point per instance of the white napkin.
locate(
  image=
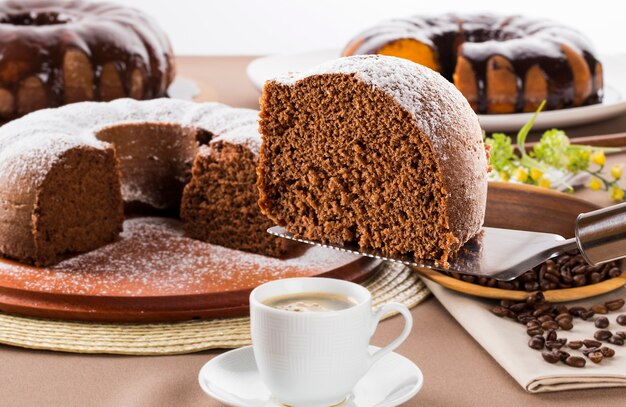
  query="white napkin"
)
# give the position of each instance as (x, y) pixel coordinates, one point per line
(507, 342)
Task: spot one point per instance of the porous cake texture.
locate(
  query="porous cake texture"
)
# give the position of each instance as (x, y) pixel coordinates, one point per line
(66, 174)
(374, 150)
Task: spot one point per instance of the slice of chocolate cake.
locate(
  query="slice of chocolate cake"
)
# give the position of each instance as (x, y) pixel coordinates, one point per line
(374, 150)
(219, 204)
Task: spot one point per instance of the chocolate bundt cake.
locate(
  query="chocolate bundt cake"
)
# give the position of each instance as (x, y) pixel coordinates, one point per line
(66, 173)
(374, 150)
(501, 64)
(57, 52)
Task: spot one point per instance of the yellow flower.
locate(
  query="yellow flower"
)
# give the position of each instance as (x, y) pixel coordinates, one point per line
(505, 176)
(544, 182)
(536, 174)
(595, 184)
(598, 157)
(616, 171)
(617, 193)
(521, 174)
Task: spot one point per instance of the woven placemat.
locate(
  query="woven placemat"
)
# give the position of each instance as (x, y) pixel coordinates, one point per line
(389, 283)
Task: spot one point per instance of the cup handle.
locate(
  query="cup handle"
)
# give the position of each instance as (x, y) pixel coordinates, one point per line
(408, 324)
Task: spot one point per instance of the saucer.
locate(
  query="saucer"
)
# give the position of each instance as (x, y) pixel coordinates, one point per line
(233, 379)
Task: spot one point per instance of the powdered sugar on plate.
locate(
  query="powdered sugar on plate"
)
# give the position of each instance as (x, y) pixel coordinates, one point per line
(152, 257)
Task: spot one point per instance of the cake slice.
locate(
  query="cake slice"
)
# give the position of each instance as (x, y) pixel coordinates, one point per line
(219, 204)
(374, 150)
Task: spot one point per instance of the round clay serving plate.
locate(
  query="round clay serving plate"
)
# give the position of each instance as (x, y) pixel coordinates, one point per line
(525, 207)
(613, 104)
(153, 273)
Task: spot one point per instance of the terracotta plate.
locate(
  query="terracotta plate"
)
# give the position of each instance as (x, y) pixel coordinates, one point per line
(525, 207)
(154, 273)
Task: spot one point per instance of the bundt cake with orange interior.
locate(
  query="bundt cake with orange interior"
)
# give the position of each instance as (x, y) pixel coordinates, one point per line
(501, 64)
(375, 150)
(66, 173)
(56, 52)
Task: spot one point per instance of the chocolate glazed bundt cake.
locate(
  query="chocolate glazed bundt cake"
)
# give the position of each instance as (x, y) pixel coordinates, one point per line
(375, 150)
(55, 52)
(501, 64)
(66, 173)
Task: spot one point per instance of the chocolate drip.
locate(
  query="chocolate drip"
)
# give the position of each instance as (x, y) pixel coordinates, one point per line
(36, 35)
(524, 42)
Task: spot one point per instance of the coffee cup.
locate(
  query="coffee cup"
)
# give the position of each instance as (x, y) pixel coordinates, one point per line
(315, 358)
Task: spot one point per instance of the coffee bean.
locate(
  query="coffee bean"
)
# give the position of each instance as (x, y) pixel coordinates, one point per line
(536, 342)
(544, 318)
(534, 331)
(590, 350)
(563, 316)
(595, 357)
(562, 309)
(621, 334)
(561, 354)
(575, 344)
(601, 322)
(501, 311)
(621, 319)
(566, 325)
(550, 357)
(554, 344)
(602, 335)
(600, 309)
(607, 352)
(590, 343)
(551, 335)
(549, 325)
(576, 311)
(517, 308)
(614, 305)
(506, 303)
(575, 361)
(524, 318)
(616, 340)
(587, 314)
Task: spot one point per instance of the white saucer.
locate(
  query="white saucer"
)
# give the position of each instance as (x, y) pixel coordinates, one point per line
(233, 379)
(614, 103)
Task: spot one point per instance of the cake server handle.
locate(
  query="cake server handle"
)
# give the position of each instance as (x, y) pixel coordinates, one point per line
(601, 234)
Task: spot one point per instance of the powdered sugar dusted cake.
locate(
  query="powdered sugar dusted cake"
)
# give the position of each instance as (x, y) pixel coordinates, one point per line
(375, 150)
(66, 173)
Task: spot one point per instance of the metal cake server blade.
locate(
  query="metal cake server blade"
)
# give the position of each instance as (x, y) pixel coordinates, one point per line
(504, 254)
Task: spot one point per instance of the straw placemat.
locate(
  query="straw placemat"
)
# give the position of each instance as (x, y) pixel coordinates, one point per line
(390, 282)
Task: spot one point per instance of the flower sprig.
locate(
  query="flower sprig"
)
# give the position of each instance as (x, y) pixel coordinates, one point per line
(552, 161)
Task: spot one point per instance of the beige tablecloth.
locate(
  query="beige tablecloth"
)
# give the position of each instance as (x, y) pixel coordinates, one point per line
(457, 370)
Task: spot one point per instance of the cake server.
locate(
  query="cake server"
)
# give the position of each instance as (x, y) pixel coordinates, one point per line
(504, 254)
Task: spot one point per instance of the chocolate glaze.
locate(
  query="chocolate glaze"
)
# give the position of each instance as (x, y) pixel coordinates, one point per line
(525, 42)
(35, 35)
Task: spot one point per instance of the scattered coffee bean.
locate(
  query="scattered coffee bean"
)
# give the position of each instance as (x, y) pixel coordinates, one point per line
(616, 340)
(566, 325)
(614, 305)
(590, 343)
(621, 319)
(551, 335)
(621, 334)
(552, 345)
(575, 344)
(595, 357)
(590, 350)
(576, 311)
(607, 352)
(587, 314)
(575, 361)
(534, 331)
(544, 318)
(602, 335)
(550, 357)
(600, 309)
(501, 311)
(517, 308)
(601, 322)
(561, 354)
(549, 325)
(536, 342)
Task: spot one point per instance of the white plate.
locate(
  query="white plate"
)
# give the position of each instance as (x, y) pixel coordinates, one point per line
(614, 102)
(233, 379)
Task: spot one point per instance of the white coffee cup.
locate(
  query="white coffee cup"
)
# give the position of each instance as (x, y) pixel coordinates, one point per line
(313, 359)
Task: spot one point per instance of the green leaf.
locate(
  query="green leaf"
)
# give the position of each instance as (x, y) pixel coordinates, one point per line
(523, 133)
